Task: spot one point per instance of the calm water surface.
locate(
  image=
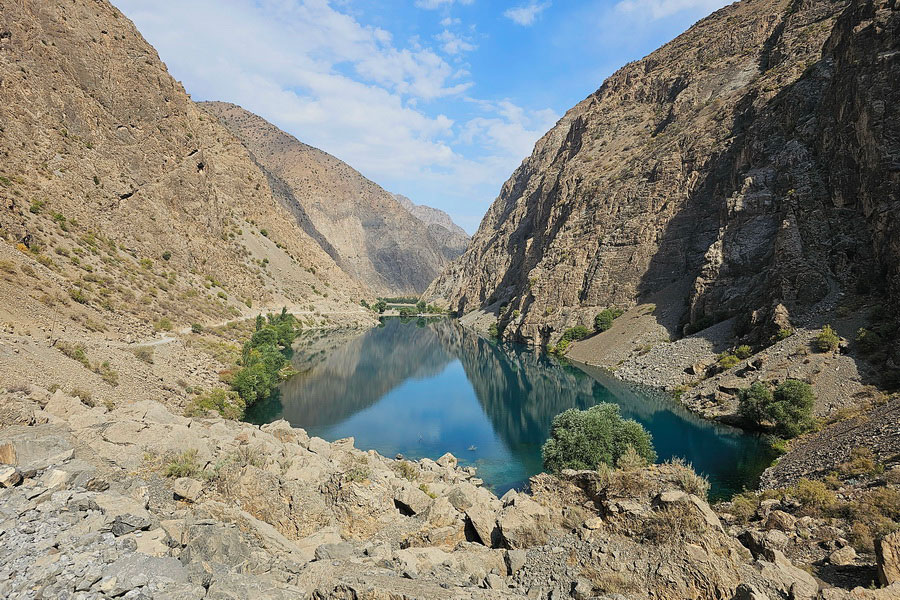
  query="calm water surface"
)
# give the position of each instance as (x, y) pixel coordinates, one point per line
(422, 389)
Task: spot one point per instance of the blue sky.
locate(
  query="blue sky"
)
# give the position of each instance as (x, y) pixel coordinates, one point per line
(439, 100)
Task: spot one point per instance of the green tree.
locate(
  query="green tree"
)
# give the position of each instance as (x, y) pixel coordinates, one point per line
(605, 318)
(380, 306)
(754, 403)
(792, 408)
(420, 306)
(788, 409)
(582, 439)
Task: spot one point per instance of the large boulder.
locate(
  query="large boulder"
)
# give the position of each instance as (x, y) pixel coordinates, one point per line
(524, 523)
(887, 551)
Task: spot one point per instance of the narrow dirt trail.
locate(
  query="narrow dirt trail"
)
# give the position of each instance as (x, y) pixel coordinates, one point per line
(247, 314)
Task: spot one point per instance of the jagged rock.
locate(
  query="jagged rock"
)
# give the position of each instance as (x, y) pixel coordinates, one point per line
(187, 488)
(515, 560)
(9, 476)
(748, 592)
(484, 522)
(523, 523)
(447, 460)
(887, 551)
(411, 499)
(778, 519)
(843, 556)
(339, 551)
(594, 523)
(702, 508)
(127, 523)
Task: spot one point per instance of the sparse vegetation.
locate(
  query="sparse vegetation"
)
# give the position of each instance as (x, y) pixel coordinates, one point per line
(827, 340)
(570, 335)
(583, 439)
(227, 403)
(163, 324)
(183, 465)
(406, 470)
(144, 353)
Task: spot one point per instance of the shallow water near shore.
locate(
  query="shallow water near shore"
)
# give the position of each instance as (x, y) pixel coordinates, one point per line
(422, 388)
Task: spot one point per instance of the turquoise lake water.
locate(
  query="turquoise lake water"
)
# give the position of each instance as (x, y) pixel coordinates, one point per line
(422, 389)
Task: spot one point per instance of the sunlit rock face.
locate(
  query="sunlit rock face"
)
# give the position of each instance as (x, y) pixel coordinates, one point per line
(753, 160)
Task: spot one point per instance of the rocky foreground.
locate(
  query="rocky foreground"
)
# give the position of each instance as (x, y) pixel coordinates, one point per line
(139, 502)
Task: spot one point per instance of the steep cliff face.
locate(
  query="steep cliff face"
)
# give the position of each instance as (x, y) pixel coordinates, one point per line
(118, 189)
(751, 161)
(453, 238)
(361, 226)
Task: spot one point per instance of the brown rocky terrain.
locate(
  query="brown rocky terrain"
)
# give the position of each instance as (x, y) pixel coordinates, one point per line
(120, 191)
(139, 234)
(139, 502)
(373, 238)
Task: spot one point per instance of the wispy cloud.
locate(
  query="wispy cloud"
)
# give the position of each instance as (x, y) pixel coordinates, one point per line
(659, 9)
(527, 14)
(435, 4)
(452, 43)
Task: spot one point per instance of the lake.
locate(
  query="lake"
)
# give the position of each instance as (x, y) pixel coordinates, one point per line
(422, 388)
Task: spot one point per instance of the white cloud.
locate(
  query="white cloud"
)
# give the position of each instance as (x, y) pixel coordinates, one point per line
(658, 9)
(527, 14)
(347, 88)
(452, 43)
(435, 4)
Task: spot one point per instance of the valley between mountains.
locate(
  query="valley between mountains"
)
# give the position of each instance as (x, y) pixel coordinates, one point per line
(717, 227)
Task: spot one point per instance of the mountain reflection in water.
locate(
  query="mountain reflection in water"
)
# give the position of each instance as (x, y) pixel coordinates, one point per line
(422, 389)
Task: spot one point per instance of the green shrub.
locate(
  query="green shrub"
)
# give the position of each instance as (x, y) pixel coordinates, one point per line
(406, 470)
(583, 439)
(604, 319)
(78, 295)
(144, 353)
(869, 342)
(164, 324)
(813, 495)
(166, 255)
(494, 331)
(727, 361)
(572, 334)
(380, 306)
(183, 465)
(75, 352)
(743, 352)
(788, 409)
(784, 333)
(827, 340)
(228, 404)
(196, 328)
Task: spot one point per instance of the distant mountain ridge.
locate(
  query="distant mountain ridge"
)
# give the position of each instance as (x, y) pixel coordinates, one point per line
(365, 229)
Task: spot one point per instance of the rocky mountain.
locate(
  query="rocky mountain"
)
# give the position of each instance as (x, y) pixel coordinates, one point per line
(747, 169)
(362, 227)
(121, 197)
(453, 237)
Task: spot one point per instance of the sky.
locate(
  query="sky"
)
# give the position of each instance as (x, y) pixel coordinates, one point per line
(438, 100)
